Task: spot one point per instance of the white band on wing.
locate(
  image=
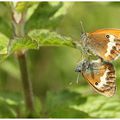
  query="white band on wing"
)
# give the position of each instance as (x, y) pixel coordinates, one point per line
(110, 45)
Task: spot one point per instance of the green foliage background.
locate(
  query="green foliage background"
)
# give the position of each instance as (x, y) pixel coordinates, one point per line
(52, 66)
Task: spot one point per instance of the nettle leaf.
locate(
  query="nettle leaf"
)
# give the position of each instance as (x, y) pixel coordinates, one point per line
(3, 44)
(10, 104)
(63, 10)
(3, 47)
(5, 19)
(3, 57)
(23, 6)
(43, 17)
(12, 99)
(47, 38)
(5, 27)
(38, 38)
(100, 107)
(5, 8)
(58, 105)
(22, 44)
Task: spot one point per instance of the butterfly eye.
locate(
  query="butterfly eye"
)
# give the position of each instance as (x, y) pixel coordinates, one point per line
(107, 36)
(78, 69)
(96, 83)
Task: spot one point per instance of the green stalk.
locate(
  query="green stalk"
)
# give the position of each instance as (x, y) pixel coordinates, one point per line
(27, 85)
(18, 25)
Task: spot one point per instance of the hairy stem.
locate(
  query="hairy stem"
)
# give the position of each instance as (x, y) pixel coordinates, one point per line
(18, 20)
(27, 86)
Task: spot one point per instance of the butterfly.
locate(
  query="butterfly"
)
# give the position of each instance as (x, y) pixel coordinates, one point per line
(100, 75)
(104, 43)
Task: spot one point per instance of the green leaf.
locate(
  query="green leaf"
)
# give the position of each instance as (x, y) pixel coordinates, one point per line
(100, 107)
(38, 38)
(47, 38)
(63, 10)
(23, 6)
(11, 98)
(10, 104)
(6, 111)
(37, 107)
(3, 47)
(43, 17)
(3, 57)
(3, 44)
(5, 19)
(5, 27)
(58, 105)
(22, 44)
(11, 69)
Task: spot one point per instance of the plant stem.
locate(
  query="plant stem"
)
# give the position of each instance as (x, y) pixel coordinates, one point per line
(18, 20)
(27, 86)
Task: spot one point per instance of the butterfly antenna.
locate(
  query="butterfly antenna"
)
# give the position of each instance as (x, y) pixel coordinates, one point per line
(84, 51)
(82, 28)
(77, 81)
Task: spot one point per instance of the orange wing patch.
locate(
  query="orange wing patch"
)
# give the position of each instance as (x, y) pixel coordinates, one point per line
(100, 75)
(105, 43)
(104, 79)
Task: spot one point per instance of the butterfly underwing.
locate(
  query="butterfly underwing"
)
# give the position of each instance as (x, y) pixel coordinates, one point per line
(100, 75)
(104, 43)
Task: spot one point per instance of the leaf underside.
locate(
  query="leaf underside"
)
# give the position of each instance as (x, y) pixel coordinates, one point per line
(33, 40)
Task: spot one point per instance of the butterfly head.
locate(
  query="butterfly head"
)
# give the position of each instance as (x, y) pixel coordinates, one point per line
(83, 66)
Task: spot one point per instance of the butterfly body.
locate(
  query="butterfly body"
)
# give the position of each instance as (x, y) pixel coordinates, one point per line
(100, 75)
(104, 43)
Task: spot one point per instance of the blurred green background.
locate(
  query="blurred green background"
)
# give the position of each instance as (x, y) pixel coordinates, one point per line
(52, 68)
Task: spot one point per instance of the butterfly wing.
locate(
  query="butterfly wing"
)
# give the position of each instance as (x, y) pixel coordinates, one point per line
(105, 43)
(101, 76)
